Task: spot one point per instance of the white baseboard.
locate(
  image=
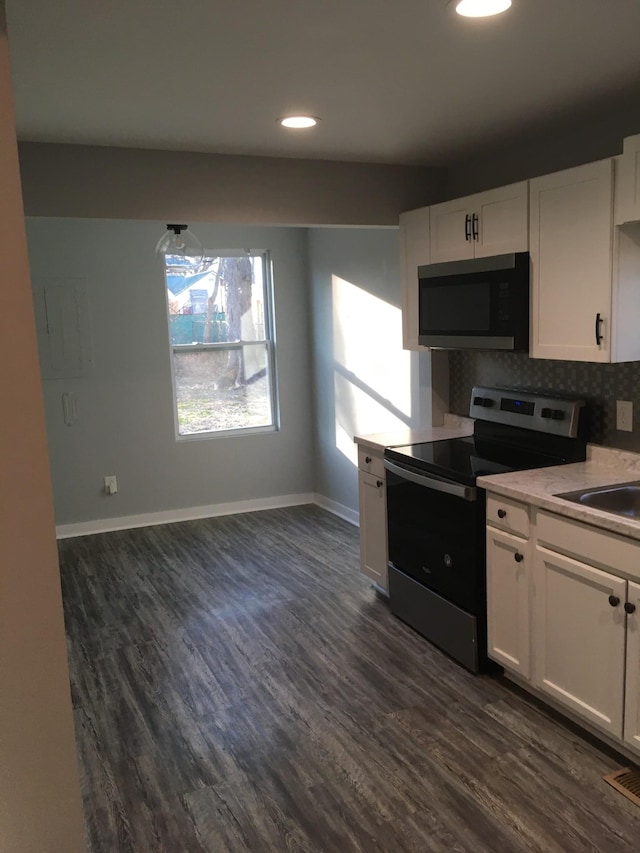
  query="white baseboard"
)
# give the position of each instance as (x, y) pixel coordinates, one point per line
(127, 522)
(340, 510)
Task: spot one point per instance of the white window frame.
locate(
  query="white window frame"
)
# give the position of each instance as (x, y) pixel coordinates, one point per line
(269, 342)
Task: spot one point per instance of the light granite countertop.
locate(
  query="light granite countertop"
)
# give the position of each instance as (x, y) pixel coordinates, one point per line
(454, 427)
(538, 487)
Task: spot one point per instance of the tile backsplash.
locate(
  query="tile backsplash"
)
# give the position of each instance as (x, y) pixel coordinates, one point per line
(600, 385)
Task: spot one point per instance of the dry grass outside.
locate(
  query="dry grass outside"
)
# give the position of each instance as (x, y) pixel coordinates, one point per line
(211, 396)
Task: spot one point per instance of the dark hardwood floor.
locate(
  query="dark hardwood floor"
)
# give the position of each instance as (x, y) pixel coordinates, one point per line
(237, 685)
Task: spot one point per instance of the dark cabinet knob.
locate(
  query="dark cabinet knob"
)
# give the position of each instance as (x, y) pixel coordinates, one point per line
(367, 459)
(379, 483)
(502, 513)
(629, 608)
(518, 557)
(614, 601)
(467, 228)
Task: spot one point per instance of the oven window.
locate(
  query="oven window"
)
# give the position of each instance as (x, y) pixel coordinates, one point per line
(455, 308)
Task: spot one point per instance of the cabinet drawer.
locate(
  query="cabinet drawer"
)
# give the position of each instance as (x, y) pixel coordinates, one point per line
(508, 515)
(596, 547)
(371, 461)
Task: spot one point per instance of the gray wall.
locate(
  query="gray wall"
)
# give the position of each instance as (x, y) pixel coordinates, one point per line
(364, 381)
(121, 183)
(559, 143)
(125, 420)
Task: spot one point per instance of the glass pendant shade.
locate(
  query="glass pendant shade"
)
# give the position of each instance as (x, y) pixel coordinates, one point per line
(180, 243)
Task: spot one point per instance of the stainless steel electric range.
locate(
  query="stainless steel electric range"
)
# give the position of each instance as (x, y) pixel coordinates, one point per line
(436, 513)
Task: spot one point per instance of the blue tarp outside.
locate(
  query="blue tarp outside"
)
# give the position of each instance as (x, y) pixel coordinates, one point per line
(178, 283)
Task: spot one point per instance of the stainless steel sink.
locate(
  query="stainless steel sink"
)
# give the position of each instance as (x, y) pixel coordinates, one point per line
(622, 499)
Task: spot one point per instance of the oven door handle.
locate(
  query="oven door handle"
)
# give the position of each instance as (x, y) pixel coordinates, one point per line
(467, 493)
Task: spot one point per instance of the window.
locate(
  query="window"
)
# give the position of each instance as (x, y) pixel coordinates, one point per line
(222, 343)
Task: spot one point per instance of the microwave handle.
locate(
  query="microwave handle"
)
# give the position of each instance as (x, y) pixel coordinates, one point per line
(468, 493)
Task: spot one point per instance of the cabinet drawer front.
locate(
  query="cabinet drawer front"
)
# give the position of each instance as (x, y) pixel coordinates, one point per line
(596, 547)
(508, 515)
(371, 461)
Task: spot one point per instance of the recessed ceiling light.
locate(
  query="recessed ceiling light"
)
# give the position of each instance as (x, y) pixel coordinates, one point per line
(298, 121)
(481, 8)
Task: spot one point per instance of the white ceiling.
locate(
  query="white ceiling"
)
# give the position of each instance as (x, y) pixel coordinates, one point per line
(394, 81)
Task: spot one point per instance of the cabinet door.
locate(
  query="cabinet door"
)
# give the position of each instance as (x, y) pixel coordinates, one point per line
(571, 215)
(414, 252)
(632, 684)
(579, 638)
(628, 182)
(373, 528)
(451, 231)
(503, 220)
(508, 597)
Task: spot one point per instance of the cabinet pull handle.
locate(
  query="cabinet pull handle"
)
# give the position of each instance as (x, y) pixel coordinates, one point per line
(614, 601)
(518, 557)
(476, 226)
(598, 327)
(502, 513)
(367, 459)
(467, 228)
(629, 608)
(379, 483)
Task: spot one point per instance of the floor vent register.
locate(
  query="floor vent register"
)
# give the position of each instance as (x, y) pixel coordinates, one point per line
(627, 782)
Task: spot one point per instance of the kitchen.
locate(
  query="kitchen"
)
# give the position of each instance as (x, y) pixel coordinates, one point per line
(603, 139)
(431, 564)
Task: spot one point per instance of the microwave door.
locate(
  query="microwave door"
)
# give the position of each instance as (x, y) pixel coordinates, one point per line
(479, 304)
(458, 315)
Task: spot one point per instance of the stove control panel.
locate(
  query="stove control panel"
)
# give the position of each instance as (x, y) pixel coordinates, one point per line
(516, 407)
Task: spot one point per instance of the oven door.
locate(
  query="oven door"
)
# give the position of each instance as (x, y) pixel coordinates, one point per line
(436, 531)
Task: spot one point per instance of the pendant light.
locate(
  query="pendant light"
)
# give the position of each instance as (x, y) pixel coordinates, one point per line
(481, 8)
(179, 242)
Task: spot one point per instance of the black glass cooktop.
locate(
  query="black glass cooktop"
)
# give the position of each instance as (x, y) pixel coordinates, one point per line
(464, 459)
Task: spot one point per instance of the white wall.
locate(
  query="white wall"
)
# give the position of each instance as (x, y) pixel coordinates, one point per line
(40, 809)
(364, 381)
(125, 422)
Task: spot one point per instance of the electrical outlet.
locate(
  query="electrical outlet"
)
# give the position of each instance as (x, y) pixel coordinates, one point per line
(624, 415)
(111, 485)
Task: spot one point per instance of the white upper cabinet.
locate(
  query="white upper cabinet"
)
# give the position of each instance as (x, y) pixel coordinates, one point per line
(571, 216)
(490, 223)
(414, 252)
(628, 187)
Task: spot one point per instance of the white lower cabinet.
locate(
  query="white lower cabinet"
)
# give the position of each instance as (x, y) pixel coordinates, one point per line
(565, 618)
(373, 515)
(508, 597)
(632, 692)
(579, 638)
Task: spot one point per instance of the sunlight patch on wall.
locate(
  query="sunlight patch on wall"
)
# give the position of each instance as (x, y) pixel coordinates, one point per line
(372, 373)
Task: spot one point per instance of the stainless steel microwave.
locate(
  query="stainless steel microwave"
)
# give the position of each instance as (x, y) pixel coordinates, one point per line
(475, 304)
